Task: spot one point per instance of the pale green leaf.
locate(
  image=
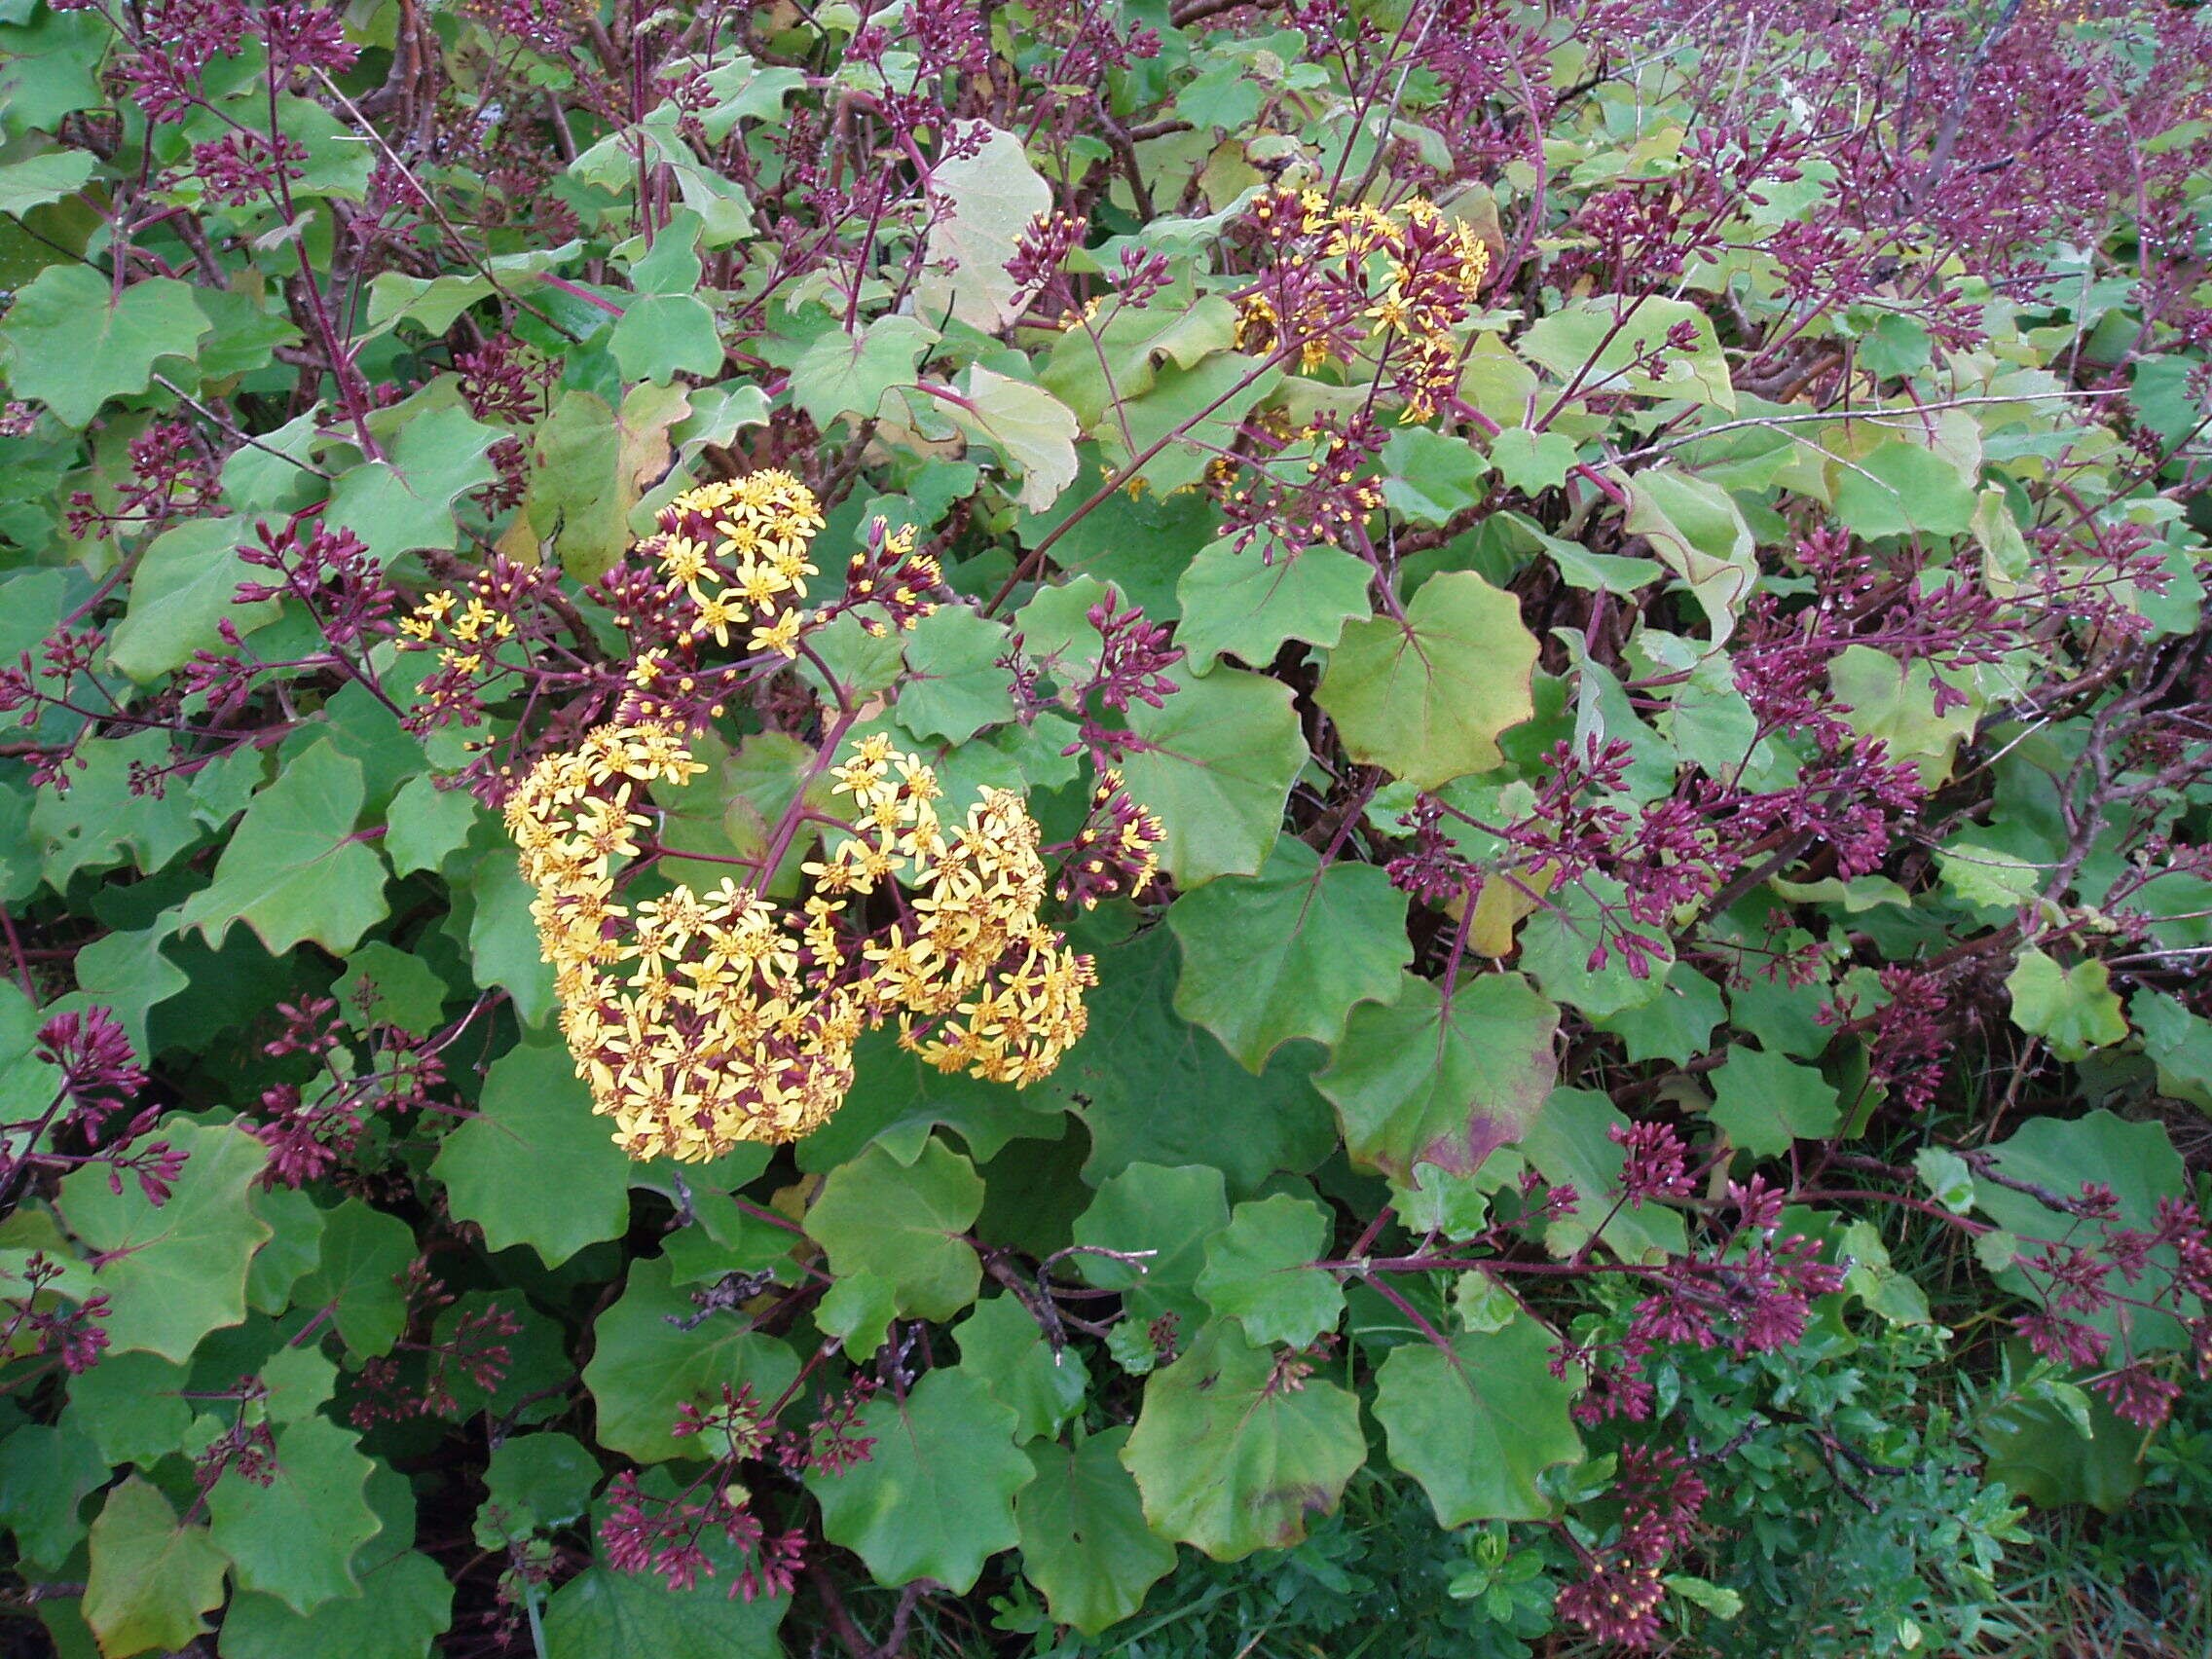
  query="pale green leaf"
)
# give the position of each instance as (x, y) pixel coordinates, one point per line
(905, 1226)
(1247, 602)
(1215, 763)
(1416, 1081)
(151, 1581)
(295, 1537)
(1428, 698)
(1259, 1272)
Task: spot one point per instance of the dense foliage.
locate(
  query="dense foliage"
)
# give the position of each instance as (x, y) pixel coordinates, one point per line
(1376, 826)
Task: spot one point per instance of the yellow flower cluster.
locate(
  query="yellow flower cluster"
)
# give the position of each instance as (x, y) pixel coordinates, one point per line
(982, 986)
(1363, 274)
(474, 628)
(1117, 851)
(738, 549)
(700, 1021)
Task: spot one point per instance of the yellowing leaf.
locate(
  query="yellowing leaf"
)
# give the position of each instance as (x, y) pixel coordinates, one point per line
(979, 206)
(1428, 698)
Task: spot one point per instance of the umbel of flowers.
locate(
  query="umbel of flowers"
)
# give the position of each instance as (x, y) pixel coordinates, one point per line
(700, 1019)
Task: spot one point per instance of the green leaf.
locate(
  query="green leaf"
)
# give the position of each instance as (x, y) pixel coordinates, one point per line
(2060, 1156)
(1698, 533)
(576, 504)
(50, 66)
(405, 1604)
(151, 1581)
(848, 374)
(1246, 603)
(293, 871)
(858, 1310)
(2039, 1451)
(645, 1364)
(405, 503)
(1593, 343)
(127, 973)
(957, 687)
(1235, 1447)
(427, 825)
(602, 1613)
(1894, 347)
(295, 1537)
(1286, 953)
(176, 1270)
(1430, 477)
(1988, 875)
(535, 1482)
(1477, 1424)
(1259, 1272)
(1711, 1598)
(2178, 1041)
(1766, 1102)
(1215, 763)
(74, 342)
(384, 985)
(1414, 1081)
(29, 1083)
(185, 587)
(1428, 698)
(1001, 1342)
(1030, 429)
(1138, 1053)
(365, 1253)
(1896, 702)
(905, 1226)
(1676, 1024)
(36, 180)
(1160, 1220)
(935, 1496)
(1083, 1539)
(1191, 415)
(437, 302)
(660, 336)
(45, 1476)
(535, 1167)
(1559, 944)
(293, 1251)
(1947, 1177)
(96, 820)
(741, 89)
(1530, 462)
(1902, 489)
(131, 1407)
(1572, 1143)
(502, 938)
(1875, 1279)
(299, 1381)
(2076, 1008)
(1095, 365)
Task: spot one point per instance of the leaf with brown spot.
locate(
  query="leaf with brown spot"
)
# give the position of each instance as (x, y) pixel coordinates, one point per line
(1234, 1449)
(1414, 1081)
